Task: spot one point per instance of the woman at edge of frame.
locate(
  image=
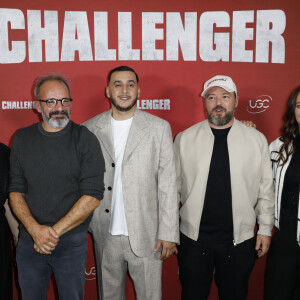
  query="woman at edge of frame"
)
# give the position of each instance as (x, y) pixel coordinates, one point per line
(283, 263)
(7, 223)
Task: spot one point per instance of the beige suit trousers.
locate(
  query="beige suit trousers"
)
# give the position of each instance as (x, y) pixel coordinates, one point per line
(144, 271)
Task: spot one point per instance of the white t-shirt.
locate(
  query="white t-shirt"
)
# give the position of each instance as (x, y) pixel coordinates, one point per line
(118, 225)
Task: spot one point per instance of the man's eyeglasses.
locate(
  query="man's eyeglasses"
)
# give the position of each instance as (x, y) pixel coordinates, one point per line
(52, 102)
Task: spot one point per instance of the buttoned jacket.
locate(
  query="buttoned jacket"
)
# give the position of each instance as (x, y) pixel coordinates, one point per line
(148, 182)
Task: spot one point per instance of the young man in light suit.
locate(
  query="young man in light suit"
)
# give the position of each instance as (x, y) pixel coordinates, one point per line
(136, 226)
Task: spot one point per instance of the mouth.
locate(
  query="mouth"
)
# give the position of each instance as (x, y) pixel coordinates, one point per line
(124, 98)
(219, 110)
(58, 114)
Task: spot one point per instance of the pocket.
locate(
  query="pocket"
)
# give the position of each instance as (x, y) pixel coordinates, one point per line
(157, 254)
(247, 249)
(25, 249)
(75, 240)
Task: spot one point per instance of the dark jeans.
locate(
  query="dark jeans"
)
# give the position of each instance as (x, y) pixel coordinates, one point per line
(232, 266)
(67, 262)
(283, 269)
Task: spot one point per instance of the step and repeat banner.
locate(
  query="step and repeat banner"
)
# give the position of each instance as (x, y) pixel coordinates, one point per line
(174, 46)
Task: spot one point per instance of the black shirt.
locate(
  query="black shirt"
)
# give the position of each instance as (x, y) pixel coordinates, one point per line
(217, 221)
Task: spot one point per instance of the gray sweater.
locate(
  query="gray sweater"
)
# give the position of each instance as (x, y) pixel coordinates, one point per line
(54, 170)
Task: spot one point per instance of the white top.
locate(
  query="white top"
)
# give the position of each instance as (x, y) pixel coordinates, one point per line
(118, 225)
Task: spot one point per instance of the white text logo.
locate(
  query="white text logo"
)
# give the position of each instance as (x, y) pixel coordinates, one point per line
(90, 272)
(17, 105)
(259, 105)
(196, 36)
(155, 104)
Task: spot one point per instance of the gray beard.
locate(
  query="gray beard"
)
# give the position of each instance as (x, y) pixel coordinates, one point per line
(220, 121)
(56, 123)
(120, 108)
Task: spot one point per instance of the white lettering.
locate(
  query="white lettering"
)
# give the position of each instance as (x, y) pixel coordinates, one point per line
(215, 31)
(144, 104)
(76, 37)
(125, 51)
(155, 104)
(214, 46)
(17, 105)
(161, 104)
(36, 34)
(150, 34)
(92, 271)
(240, 34)
(187, 38)
(101, 38)
(167, 104)
(17, 53)
(270, 26)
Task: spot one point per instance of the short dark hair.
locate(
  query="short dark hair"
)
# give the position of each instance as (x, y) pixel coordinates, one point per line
(122, 69)
(50, 77)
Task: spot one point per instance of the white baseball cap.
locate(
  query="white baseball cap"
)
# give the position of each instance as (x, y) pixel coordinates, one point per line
(222, 81)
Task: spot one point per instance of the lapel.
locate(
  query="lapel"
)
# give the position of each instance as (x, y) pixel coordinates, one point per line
(138, 129)
(104, 133)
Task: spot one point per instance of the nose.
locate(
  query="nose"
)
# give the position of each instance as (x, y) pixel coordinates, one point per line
(59, 106)
(124, 89)
(219, 100)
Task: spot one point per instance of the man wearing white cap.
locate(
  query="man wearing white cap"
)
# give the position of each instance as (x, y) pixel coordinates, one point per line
(225, 186)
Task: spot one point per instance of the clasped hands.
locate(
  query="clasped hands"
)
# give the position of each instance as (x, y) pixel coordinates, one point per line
(45, 239)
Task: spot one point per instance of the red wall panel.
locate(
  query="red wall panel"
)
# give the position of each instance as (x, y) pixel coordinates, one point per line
(174, 51)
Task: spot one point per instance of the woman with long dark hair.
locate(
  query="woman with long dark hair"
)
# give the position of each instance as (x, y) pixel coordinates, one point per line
(283, 264)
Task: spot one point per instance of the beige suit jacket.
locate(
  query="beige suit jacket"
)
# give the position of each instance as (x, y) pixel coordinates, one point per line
(148, 181)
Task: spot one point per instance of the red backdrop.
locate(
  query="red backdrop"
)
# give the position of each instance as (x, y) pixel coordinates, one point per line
(174, 46)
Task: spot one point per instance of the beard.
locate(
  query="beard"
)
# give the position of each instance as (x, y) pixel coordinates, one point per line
(56, 123)
(219, 120)
(121, 108)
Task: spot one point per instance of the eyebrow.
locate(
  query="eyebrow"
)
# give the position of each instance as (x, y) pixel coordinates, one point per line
(117, 81)
(227, 93)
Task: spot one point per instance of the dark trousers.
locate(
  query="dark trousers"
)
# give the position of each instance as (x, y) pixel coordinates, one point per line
(283, 269)
(232, 266)
(67, 262)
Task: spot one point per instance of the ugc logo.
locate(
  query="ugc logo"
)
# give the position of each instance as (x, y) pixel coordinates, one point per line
(259, 105)
(90, 272)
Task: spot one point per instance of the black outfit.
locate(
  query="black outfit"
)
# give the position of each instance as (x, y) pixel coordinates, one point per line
(5, 237)
(232, 265)
(283, 264)
(214, 250)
